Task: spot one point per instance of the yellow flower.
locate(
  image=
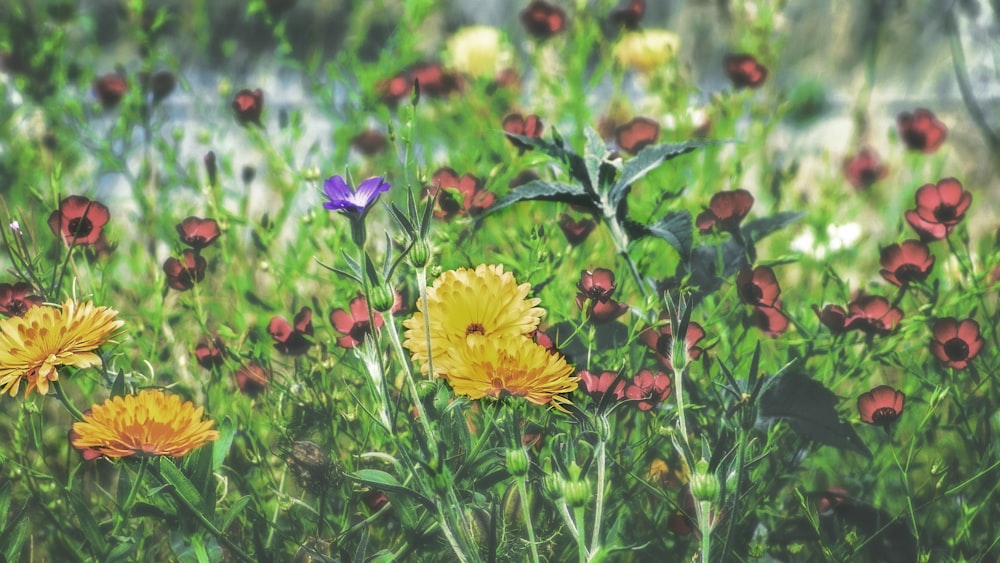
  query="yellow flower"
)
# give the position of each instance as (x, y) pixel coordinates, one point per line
(514, 365)
(148, 424)
(646, 50)
(464, 304)
(479, 51)
(32, 347)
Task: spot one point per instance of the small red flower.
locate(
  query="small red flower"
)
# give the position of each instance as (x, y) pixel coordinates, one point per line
(833, 497)
(725, 211)
(182, 275)
(648, 389)
(661, 340)
(921, 130)
(758, 286)
(160, 85)
(79, 221)
(599, 385)
(471, 199)
(944, 203)
(248, 105)
(543, 20)
(629, 15)
(210, 352)
(864, 169)
(637, 134)
(434, 82)
(906, 263)
(927, 231)
(292, 340)
(516, 124)
(16, 299)
(602, 312)
(956, 342)
(833, 316)
(354, 325)
(576, 231)
(370, 142)
(872, 314)
(110, 89)
(770, 320)
(197, 232)
(252, 379)
(881, 406)
(598, 285)
(744, 71)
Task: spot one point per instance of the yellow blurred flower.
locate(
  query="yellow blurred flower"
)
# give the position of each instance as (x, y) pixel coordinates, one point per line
(148, 424)
(466, 304)
(480, 51)
(32, 347)
(647, 49)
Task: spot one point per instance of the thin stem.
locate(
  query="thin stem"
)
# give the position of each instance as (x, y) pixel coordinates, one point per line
(579, 516)
(57, 387)
(705, 524)
(126, 509)
(601, 459)
(410, 382)
(568, 519)
(621, 245)
(522, 485)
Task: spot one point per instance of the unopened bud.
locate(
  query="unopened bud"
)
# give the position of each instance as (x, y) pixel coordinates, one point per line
(517, 462)
(577, 493)
(382, 298)
(420, 253)
(704, 483)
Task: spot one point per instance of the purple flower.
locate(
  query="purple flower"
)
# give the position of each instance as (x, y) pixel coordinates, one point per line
(343, 198)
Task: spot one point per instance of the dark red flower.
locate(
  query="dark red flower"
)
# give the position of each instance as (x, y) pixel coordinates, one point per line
(758, 286)
(872, 314)
(210, 352)
(637, 134)
(370, 142)
(16, 299)
(434, 82)
(864, 169)
(292, 340)
(661, 340)
(770, 320)
(881, 406)
(598, 285)
(110, 89)
(648, 389)
(161, 84)
(921, 131)
(543, 20)
(600, 312)
(354, 325)
(956, 342)
(516, 124)
(927, 231)
(248, 105)
(576, 231)
(629, 15)
(79, 221)
(944, 203)
(374, 499)
(252, 379)
(523, 178)
(598, 385)
(543, 339)
(197, 232)
(725, 211)
(830, 499)
(906, 263)
(743, 70)
(182, 275)
(471, 198)
(833, 316)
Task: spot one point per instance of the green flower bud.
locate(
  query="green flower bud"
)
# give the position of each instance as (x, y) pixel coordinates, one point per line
(704, 483)
(382, 298)
(479, 524)
(420, 253)
(577, 493)
(517, 462)
(553, 485)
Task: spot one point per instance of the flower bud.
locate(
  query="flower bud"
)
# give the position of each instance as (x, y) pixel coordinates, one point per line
(552, 485)
(420, 253)
(517, 462)
(704, 483)
(382, 298)
(479, 523)
(577, 493)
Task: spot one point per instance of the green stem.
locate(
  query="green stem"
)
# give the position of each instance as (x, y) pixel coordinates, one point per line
(601, 455)
(581, 544)
(57, 387)
(705, 524)
(522, 486)
(410, 382)
(126, 509)
(621, 245)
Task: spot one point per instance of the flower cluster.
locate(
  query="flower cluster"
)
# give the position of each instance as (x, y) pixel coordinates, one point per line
(595, 291)
(458, 195)
(184, 272)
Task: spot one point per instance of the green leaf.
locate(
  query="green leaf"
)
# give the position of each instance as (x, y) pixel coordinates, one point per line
(118, 388)
(544, 191)
(234, 511)
(557, 149)
(385, 481)
(647, 160)
(220, 448)
(676, 229)
(760, 228)
(181, 484)
(88, 525)
(593, 156)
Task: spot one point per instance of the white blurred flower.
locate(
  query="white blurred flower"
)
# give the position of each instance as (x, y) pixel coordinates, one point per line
(481, 51)
(646, 50)
(843, 236)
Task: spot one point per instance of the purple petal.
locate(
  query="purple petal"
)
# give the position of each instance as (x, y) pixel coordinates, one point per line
(370, 189)
(337, 189)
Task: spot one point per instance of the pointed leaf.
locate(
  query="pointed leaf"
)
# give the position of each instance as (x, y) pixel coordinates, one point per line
(385, 481)
(647, 160)
(676, 229)
(181, 484)
(88, 525)
(234, 511)
(593, 155)
(760, 228)
(557, 149)
(220, 448)
(544, 191)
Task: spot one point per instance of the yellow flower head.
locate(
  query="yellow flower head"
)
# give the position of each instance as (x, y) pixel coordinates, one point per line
(480, 51)
(465, 304)
(148, 424)
(646, 50)
(509, 364)
(32, 347)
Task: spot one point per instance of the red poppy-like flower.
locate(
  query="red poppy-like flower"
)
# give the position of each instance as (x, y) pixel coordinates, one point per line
(600, 312)
(292, 339)
(598, 285)
(637, 134)
(197, 232)
(16, 299)
(110, 89)
(251, 379)
(944, 203)
(598, 385)
(881, 406)
(864, 169)
(543, 339)
(744, 71)
(648, 389)
(927, 231)
(210, 352)
(248, 105)
(833, 316)
(725, 211)
(770, 320)
(906, 263)
(434, 82)
(921, 130)
(661, 340)
(956, 342)
(758, 286)
(629, 15)
(182, 275)
(370, 142)
(543, 20)
(872, 314)
(79, 221)
(830, 499)
(516, 124)
(576, 231)
(471, 198)
(354, 325)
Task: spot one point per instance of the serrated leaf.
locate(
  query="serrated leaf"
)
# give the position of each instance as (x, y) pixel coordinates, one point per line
(675, 228)
(543, 191)
(593, 155)
(557, 149)
(647, 160)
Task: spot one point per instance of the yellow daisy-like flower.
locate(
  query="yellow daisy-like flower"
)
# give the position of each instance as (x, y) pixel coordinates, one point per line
(514, 365)
(32, 347)
(464, 304)
(148, 424)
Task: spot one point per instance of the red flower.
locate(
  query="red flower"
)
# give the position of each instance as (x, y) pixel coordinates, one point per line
(434, 81)
(906, 263)
(544, 340)
(661, 340)
(956, 342)
(516, 124)
(833, 316)
(925, 229)
(770, 320)
(16, 299)
(725, 211)
(881, 406)
(827, 501)
(744, 71)
(354, 325)
(921, 131)
(596, 286)
(370, 142)
(160, 85)
(637, 134)
(79, 221)
(629, 15)
(602, 312)
(471, 198)
(197, 232)
(374, 499)
(292, 340)
(183, 275)
(758, 286)
(864, 169)
(248, 105)
(944, 203)
(210, 352)
(648, 389)
(252, 379)
(872, 314)
(543, 20)
(599, 385)
(576, 231)
(110, 89)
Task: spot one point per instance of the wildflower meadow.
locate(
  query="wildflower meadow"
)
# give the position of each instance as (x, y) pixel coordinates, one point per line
(518, 280)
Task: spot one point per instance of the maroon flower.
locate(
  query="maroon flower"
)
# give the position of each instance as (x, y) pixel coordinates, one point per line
(576, 231)
(197, 232)
(906, 263)
(944, 203)
(79, 221)
(370, 142)
(600, 312)
(248, 105)
(872, 314)
(543, 20)
(110, 89)
(921, 131)
(252, 379)
(292, 340)
(927, 231)
(598, 285)
(463, 195)
(770, 320)
(523, 178)
(182, 275)
(374, 499)
(725, 211)
(354, 325)
(516, 124)
(543, 339)
(648, 389)
(833, 316)
(864, 169)
(210, 352)
(637, 134)
(758, 286)
(956, 342)
(833, 497)
(744, 71)
(629, 15)
(16, 299)
(661, 340)
(599, 385)
(434, 81)
(881, 406)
